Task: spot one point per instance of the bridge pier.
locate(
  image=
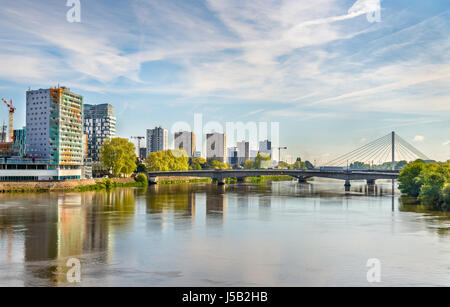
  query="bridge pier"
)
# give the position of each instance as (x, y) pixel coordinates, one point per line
(220, 181)
(302, 179)
(347, 183)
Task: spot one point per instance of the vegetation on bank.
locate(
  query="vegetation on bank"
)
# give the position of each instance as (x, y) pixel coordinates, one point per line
(429, 183)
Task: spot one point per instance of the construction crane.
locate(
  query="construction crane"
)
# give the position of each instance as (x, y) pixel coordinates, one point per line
(138, 138)
(12, 109)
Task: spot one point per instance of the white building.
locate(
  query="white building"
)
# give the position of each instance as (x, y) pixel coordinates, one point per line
(157, 140)
(216, 146)
(185, 140)
(243, 151)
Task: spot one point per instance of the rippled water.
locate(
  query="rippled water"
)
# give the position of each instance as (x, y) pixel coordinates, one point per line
(272, 234)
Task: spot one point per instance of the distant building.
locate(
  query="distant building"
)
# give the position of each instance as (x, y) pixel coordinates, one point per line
(185, 140)
(143, 153)
(99, 125)
(197, 154)
(244, 152)
(157, 139)
(265, 147)
(216, 146)
(54, 126)
(233, 156)
(253, 154)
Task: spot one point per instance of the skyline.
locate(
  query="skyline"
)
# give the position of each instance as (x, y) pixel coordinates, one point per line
(331, 78)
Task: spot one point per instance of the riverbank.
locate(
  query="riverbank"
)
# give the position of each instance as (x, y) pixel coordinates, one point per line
(68, 185)
(99, 183)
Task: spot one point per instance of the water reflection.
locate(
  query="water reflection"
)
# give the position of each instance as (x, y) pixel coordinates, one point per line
(194, 234)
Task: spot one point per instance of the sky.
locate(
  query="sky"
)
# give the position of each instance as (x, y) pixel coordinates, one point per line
(333, 73)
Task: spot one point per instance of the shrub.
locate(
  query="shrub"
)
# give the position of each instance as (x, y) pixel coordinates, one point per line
(142, 179)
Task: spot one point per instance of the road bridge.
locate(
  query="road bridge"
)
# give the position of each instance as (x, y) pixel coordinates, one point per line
(302, 175)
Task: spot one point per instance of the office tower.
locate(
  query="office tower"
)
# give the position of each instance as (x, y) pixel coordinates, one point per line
(157, 139)
(185, 140)
(54, 126)
(265, 147)
(233, 156)
(244, 152)
(216, 146)
(99, 125)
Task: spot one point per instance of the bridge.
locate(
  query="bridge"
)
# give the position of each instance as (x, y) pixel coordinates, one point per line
(219, 176)
(388, 149)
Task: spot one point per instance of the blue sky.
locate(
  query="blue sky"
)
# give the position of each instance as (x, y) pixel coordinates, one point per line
(331, 78)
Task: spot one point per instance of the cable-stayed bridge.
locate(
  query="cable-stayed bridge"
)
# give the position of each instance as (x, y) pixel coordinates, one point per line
(389, 149)
(358, 164)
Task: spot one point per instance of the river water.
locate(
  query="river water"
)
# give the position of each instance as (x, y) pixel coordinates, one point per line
(270, 234)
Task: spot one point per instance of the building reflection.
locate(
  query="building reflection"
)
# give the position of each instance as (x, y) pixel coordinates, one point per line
(57, 227)
(216, 204)
(170, 204)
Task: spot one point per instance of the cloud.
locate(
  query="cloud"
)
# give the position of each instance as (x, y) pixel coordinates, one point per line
(446, 143)
(419, 138)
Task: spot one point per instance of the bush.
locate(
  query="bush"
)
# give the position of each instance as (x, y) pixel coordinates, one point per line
(108, 183)
(142, 179)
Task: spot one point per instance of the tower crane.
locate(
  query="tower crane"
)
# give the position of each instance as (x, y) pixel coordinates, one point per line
(12, 109)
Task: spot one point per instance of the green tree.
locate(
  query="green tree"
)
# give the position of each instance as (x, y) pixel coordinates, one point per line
(214, 164)
(198, 164)
(249, 164)
(410, 182)
(118, 156)
(167, 160)
(141, 168)
(433, 184)
(263, 161)
(446, 197)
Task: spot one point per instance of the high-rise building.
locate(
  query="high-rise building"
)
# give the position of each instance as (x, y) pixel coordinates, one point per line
(216, 146)
(233, 156)
(185, 140)
(243, 151)
(265, 147)
(99, 125)
(54, 126)
(157, 139)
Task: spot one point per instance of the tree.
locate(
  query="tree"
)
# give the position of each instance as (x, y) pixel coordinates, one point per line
(167, 160)
(214, 164)
(263, 161)
(299, 165)
(446, 196)
(359, 165)
(198, 164)
(249, 164)
(433, 184)
(141, 168)
(118, 156)
(410, 182)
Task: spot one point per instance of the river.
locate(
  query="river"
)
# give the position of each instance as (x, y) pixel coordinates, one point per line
(270, 234)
